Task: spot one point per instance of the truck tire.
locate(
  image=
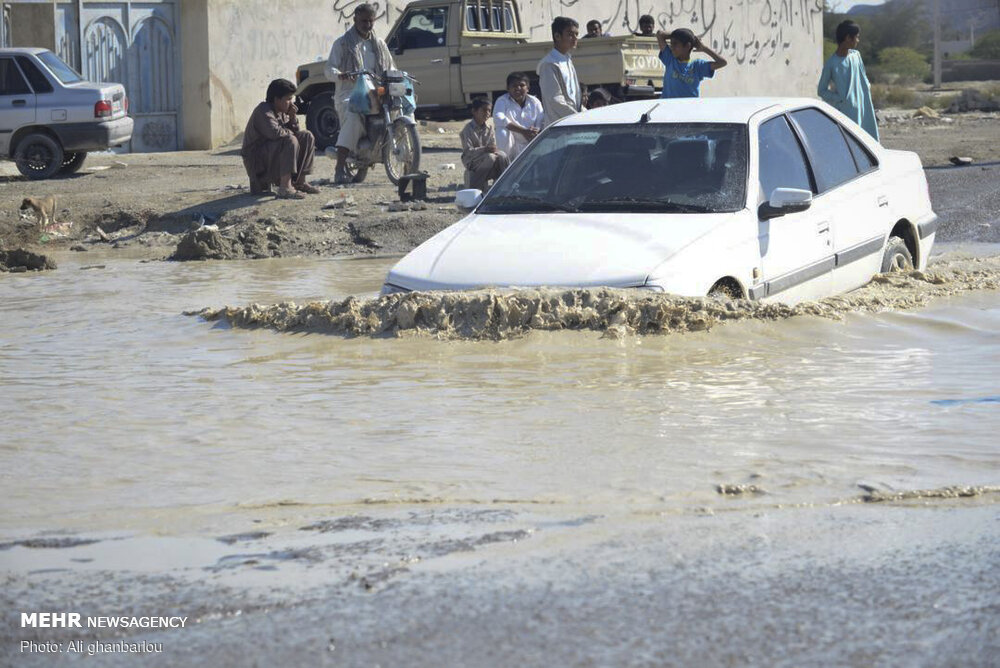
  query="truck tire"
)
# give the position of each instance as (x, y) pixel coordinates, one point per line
(407, 158)
(38, 156)
(322, 120)
(72, 162)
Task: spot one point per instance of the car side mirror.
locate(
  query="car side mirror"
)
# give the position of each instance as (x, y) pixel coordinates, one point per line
(784, 201)
(468, 199)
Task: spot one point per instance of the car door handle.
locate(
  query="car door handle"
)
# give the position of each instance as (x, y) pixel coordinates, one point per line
(438, 61)
(823, 227)
(19, 103)
(883, 201)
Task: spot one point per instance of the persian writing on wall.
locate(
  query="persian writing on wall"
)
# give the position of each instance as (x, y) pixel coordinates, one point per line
(743, 31)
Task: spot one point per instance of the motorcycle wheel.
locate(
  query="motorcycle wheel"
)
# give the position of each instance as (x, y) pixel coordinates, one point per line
(406, 159)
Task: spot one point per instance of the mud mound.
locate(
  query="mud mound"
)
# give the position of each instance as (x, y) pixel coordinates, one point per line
(19, 260)
(502, 314)
(248, 241)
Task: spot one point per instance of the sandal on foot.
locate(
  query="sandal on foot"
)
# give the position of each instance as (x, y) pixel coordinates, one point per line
(306, 188)
(289, 193)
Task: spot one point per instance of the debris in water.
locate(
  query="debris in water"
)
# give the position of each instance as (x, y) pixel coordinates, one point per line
(738, 490)
(953, 492)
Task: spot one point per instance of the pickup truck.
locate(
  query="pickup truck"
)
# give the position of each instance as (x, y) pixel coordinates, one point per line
(462, 49)
(50, 116)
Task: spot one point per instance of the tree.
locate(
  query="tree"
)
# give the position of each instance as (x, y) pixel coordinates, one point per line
(987, 46)
(909, 65)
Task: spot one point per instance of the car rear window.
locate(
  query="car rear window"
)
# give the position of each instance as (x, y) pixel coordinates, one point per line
(61, 70)
(11, 81)
(829, 154)
(35, 76)
(862, 157)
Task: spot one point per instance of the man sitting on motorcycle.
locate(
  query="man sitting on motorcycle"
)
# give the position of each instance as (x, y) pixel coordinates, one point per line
(358, 49)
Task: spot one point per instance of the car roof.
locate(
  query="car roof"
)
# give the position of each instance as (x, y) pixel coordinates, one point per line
(21, 50)
(690, 110)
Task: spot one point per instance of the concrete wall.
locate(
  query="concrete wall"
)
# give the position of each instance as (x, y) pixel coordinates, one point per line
(970, 70)
(33, 25)
(196, 87)
(774, 46)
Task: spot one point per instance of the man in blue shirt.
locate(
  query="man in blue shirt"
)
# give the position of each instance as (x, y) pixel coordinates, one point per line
(682, 76)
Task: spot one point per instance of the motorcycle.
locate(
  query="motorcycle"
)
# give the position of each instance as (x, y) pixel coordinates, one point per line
(390, 132)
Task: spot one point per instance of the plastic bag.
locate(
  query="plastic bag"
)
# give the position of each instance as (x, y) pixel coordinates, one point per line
(409, 101)
(361, 97)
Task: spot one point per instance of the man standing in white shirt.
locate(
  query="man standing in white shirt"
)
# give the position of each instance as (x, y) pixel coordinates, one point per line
(517, 116)
(357, 49)
(561, 94)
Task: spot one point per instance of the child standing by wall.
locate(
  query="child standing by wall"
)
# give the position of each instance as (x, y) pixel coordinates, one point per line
(851, 92)
(682, 76)
(480, 156)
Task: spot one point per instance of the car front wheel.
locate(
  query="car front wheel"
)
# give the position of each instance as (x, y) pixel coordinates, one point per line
(38, 156)
(897, 256)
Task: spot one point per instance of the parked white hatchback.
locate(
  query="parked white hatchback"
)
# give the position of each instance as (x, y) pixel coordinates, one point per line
(50, 116)
(760, 198)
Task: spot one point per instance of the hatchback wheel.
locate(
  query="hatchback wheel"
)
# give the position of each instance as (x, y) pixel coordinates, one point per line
(72, 162)
(897, 256)
(38, 156)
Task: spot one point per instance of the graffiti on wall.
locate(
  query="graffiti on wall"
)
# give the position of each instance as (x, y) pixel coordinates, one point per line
(746, 31)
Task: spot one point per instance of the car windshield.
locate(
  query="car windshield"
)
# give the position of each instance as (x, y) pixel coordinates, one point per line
(61, 70)
(641, 168)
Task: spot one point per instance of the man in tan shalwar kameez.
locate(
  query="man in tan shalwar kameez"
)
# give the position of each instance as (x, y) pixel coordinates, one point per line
(482, 159)
(275, 150)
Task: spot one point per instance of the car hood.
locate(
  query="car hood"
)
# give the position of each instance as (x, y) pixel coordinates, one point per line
(552, 249)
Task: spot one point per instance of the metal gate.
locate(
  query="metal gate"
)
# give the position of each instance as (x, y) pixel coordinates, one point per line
(130, 43)
(5, 26)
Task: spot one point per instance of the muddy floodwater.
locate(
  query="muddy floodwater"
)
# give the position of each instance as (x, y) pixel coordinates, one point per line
(430, 498)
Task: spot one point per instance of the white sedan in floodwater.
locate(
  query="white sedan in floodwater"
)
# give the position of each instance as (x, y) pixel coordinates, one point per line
(761, 198)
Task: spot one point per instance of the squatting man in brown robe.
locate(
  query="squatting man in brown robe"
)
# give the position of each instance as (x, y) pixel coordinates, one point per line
(358, 49)
(275, 150)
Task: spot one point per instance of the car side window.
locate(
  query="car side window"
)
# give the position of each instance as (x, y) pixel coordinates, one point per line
(862, 158)
(424, 28)
(11, 80)
(828, 150)
(35, 76)
(782, 164)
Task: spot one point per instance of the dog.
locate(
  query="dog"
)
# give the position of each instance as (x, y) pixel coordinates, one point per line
(44, 209)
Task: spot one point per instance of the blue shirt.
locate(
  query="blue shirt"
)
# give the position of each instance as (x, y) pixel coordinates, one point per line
(682, 79)
(844, 84)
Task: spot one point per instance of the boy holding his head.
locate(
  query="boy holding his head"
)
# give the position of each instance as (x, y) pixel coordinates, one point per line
(682, 76)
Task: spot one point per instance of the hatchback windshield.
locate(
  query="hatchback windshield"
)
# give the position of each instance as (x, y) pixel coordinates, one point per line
(642, 168)
(63, 72)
